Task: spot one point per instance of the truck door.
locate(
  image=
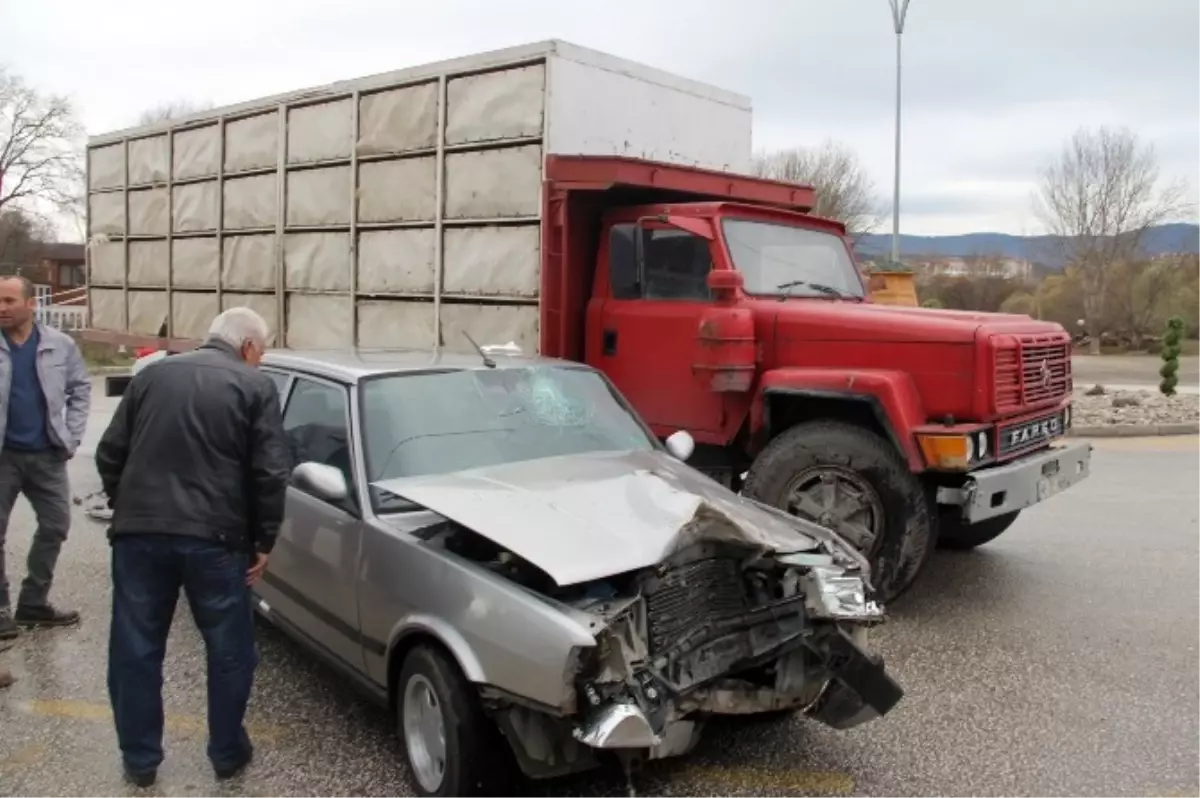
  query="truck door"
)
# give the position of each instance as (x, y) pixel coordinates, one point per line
(643, 333)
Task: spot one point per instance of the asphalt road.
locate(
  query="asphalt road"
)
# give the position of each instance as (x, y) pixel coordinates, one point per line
(1130, 370)
(1061, 659)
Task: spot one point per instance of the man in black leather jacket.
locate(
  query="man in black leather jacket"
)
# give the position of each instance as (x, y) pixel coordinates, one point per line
(195, 464)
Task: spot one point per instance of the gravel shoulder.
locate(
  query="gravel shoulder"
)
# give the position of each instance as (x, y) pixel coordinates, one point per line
(1136, 408)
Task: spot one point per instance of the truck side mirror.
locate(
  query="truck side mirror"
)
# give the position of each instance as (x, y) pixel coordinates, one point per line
(725, 284)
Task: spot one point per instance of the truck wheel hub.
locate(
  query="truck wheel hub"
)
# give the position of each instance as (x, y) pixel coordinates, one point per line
(841, 500)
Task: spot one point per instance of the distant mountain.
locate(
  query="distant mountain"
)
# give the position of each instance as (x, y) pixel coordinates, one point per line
(1164, 239)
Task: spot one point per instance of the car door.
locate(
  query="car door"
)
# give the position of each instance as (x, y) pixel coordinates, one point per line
(312, 578)
(649, 329)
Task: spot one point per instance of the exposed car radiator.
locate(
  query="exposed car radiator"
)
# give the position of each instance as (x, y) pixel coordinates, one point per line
(691, 595)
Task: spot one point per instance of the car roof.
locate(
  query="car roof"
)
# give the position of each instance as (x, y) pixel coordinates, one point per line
(352, 365)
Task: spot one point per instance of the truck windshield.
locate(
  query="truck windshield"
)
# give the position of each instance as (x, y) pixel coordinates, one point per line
(793, 261)
(436, 423)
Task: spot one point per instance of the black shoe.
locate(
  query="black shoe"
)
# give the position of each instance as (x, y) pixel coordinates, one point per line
(143, 779)
(236, 768)
(45, 615)
(8, 627)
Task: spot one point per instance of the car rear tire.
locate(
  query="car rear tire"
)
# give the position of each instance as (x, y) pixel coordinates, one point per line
(873, 492)
(954, 534)
(451, 746)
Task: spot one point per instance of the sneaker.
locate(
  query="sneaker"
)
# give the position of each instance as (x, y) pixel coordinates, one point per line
(230, 771)
(143, 778)
(6, 678)
(45, 615)
(8, 627)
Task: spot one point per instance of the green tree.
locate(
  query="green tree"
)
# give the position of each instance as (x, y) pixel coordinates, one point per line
(1171, 347)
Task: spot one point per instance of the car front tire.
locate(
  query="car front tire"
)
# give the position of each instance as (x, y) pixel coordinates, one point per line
(451, 746)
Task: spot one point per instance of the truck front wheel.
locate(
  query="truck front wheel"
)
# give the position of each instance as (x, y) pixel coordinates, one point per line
(852, 481)
(954, 534)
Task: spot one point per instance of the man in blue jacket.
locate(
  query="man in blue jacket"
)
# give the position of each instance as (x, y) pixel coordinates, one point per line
(46, 394)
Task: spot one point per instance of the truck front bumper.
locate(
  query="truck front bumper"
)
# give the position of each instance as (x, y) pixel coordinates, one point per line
(1022, 483)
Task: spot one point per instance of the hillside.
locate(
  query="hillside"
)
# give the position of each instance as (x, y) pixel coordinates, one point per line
(1168, 238)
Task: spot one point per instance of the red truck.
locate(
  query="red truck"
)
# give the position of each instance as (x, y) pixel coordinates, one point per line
(714, 301)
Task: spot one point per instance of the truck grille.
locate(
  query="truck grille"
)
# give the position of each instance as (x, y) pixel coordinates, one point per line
(690, 595)
(1034, 372)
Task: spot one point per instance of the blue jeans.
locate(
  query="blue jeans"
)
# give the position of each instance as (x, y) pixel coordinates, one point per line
(147, 573)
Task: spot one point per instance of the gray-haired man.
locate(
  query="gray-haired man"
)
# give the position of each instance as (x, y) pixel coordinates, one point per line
(46, 394)
(195, 464)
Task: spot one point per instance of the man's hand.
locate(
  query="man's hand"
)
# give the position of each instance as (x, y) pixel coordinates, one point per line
(255, 571)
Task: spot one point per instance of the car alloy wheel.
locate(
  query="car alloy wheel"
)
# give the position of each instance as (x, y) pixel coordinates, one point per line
(425, 732)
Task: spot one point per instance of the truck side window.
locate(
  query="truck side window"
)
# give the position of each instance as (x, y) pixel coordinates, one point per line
(622, 263)
(677, 266)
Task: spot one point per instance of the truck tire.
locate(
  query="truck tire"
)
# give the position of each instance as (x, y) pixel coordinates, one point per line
(954, 534)
(866, 494)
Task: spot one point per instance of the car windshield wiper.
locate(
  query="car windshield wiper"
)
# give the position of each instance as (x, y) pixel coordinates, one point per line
(824, 289)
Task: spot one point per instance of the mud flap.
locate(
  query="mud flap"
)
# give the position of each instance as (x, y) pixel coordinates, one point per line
(115, 384)
(860, 689)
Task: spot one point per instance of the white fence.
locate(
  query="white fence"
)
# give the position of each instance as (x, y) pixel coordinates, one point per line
(52, 311)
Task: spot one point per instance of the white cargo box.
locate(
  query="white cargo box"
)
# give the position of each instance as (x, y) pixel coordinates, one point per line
(392, 210)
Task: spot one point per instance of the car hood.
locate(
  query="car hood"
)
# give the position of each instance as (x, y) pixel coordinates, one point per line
(585, 517)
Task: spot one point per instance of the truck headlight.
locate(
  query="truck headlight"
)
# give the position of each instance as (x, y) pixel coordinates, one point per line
(956, 452)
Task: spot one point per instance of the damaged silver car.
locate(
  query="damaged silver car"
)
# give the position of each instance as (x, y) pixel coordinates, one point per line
(503, 553)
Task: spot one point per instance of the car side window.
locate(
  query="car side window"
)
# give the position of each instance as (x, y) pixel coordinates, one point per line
(316, 424)
(677, 264)
(281, 381)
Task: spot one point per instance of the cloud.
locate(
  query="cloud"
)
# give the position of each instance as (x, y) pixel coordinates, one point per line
(991, 90)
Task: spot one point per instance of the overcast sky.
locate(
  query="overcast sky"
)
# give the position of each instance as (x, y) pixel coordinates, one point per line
(991, 89)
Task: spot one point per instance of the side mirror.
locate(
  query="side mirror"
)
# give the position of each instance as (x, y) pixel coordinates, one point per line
(323, 481)
(724, 284)
(681, 445)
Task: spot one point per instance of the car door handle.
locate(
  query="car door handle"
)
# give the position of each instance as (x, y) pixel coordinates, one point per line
(610, 342)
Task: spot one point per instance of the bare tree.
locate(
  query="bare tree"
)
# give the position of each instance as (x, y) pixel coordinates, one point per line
(41, 160)
(845, 191)
(171, 110)
(1101, 195)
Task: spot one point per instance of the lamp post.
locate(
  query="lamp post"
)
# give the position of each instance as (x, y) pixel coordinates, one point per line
(899, 10)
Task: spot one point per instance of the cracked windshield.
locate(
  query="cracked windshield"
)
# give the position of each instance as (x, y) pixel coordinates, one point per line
(435, 423)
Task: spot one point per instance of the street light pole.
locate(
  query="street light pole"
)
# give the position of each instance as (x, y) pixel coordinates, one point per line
(899, 10)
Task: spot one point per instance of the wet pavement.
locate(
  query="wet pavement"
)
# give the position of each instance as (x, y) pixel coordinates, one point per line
(1061, 659)
(1116, 371)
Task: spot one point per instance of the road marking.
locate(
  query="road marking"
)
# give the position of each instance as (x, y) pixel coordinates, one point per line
(185, 725)
(755, 779)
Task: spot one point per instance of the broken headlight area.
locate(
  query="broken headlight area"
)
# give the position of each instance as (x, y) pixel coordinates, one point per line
(717, 631)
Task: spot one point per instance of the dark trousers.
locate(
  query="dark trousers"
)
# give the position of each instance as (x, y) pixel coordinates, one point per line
(42, 477)
(147, 573)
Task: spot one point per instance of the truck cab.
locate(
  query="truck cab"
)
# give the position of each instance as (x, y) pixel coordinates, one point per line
(750, 326)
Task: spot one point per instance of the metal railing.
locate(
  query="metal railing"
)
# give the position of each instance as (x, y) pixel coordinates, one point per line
(66, 310)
